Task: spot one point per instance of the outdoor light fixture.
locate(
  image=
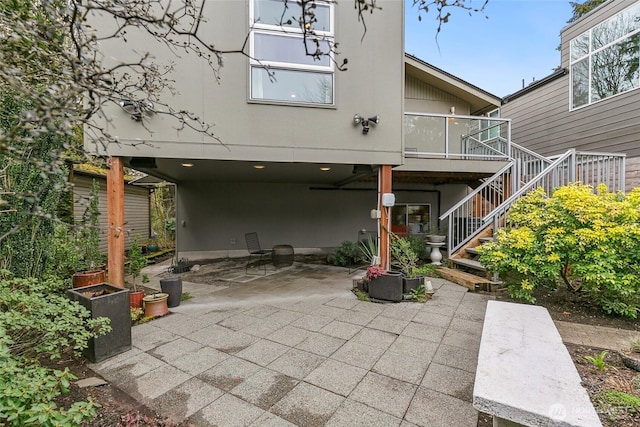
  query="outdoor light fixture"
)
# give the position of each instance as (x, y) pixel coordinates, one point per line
(359, 120)
(136, 108)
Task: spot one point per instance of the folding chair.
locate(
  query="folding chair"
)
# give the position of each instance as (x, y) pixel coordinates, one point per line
(253, 246)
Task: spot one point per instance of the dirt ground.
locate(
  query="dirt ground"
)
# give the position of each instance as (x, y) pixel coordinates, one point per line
(118, 409)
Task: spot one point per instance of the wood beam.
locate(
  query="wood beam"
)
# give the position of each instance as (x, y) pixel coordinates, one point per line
(115, 220)
(384, 183)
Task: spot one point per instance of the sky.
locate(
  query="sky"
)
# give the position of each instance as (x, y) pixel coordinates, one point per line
(512, 41)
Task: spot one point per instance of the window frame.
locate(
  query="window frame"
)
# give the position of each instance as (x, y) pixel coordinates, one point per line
(258, 27)
(591, 52)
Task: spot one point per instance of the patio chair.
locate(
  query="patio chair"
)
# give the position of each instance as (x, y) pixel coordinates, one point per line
(253, 246)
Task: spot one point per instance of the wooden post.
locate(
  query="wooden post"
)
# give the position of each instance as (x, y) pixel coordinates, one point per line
(384, 183)
(115, 220)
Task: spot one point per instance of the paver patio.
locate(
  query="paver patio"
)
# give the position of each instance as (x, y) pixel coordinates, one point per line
(279, 352)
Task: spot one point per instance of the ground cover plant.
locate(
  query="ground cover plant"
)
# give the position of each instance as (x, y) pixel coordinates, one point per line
(583, 240)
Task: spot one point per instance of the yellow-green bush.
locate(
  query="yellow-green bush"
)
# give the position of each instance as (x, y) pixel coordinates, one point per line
(590, 241)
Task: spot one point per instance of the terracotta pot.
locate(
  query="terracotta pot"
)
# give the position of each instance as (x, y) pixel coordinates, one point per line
(87, 278)
(135, 299)
(155, 305)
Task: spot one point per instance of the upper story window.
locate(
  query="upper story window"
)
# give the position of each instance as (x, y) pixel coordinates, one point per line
(605, 60)
(281, 68)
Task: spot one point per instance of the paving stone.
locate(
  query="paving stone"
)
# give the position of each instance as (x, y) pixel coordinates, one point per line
(263, 352)
(261, 311)
(327, 311)
(238, 321)
(285, 316)
(91, 382)
(369, 307)
(297, 363)
(183, 401)
(340, 329)
(312, 322)
(433, 409)
(452, 381)
(145, 336)
(452, 300)
(228, 411)
(321, 344)
(136, 366)
(307, 405)
(432, 319)
(396, 311)
(263, 328)
(453, 288)
(432, 306)
(215, 315)
(457, 357)
(388, 324)
(271, 420)
(467, 326)
(356, 354)
(180, 324)
(154, 383)
(336, 376)
(461, 339)
(289, 335)
(115, 360)
(175, 349)
(386, 394)
(199, 360)
(374, 338)
(424, 332)
(401, 366)
(357, 317)
(222, 339)
(229, 373)
(343, 302)
(420, 349)
(354, 414)
(264, 388)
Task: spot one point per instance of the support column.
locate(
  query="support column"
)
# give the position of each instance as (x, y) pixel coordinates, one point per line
(384, 183)
(115, 221)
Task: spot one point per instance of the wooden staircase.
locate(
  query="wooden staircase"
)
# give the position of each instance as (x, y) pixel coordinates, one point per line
(465, 269)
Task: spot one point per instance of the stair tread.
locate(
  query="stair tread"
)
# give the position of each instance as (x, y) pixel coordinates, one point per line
(477, 265)
(485, 239)
(473, 251)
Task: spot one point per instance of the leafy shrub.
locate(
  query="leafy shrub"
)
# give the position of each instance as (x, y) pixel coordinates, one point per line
(38, 322)
(403, 255)
(418, 246)
(588, 240)
(373, 272)
(348, 253)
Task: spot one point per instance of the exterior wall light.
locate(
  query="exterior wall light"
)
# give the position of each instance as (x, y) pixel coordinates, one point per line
(359, 120)
(136, 108)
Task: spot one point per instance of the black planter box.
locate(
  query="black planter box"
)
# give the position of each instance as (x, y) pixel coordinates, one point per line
(173, 287)
(409, 284)
(106, 300)
(387, 287)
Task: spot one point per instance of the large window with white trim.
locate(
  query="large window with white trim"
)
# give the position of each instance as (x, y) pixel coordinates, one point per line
(282, 70)
(605, 60)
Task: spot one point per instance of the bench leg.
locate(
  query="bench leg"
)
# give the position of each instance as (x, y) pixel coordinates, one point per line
(501, 422)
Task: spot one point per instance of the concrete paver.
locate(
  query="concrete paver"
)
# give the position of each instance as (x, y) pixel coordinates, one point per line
(296, 348)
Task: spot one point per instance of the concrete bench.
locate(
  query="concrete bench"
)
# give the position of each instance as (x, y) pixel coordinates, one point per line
(525, 375)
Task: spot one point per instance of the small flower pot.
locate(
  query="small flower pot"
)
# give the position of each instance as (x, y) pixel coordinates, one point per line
(135, 299)
(88, 278)
(155, 305)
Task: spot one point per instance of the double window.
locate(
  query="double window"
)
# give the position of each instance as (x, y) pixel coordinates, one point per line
(605, 60)
(283, 67)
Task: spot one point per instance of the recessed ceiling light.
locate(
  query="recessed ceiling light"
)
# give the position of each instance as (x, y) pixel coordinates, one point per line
(258, 166)
(186, 165)
(325, 169)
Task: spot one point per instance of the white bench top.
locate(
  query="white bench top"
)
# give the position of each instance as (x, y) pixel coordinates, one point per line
(525, 373)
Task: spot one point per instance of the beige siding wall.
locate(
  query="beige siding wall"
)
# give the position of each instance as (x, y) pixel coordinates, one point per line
(633, 173)
(136, 214)
(543, 122)
(252, 131)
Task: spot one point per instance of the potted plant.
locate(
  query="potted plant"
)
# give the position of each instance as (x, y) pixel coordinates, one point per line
(137, 262)
(383, 284)
(405, 258)
(155, 305)
(90, 270)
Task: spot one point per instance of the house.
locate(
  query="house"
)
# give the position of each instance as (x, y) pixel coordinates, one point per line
(315, 156)
(591, 101)
(136, 201)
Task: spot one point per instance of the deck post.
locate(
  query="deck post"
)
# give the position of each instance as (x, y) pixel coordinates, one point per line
(384, 182)
(115, 220)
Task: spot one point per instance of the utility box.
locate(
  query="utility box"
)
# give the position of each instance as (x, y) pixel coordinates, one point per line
(106, 300)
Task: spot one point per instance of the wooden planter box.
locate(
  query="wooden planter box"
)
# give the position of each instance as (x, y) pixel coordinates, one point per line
(387, 287)
(106, 300)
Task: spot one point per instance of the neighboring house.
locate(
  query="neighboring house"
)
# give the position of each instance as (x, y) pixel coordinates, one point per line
(137, 213)
(302, 159)
(591, 101)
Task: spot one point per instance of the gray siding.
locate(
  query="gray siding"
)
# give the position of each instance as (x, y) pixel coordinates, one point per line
(543, 122)
(136, 212)
(421, 97)
(633, 173)
(263, 132)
